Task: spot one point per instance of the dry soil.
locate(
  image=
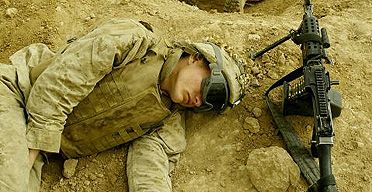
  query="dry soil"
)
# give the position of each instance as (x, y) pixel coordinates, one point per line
(218, 145)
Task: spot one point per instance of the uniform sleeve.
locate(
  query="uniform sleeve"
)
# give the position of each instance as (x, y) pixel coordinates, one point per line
(152, 157)
(73, 73)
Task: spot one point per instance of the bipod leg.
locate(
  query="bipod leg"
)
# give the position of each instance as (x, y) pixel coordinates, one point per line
(272, 46)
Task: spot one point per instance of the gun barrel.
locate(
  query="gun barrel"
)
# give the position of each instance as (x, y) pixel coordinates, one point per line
(308, 7)
(325, 160)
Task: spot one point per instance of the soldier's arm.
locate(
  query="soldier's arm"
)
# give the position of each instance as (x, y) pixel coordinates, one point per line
(73, 73)
(153, 156)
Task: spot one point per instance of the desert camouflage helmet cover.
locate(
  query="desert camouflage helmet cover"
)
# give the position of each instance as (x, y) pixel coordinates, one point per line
(231, 69)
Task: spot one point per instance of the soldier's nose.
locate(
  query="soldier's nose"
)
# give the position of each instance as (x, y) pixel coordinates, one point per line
(198, 101)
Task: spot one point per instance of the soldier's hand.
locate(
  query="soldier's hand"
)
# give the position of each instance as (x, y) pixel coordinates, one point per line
(32, 154)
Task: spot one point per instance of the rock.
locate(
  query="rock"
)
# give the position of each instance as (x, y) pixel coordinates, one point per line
(265, 58)
(260, 76)
(239, 147)
(368, 72)
(292, 62)
(255, 70)
(86, 183)
(87, 19)
(90, 17)
(73, 183)
(6, 2)
(273, 75)
(357, 144)
(69, 167)
(59, 9)
(249, 62)
(281, 59)
(213, 11)
(95, 161)
(365, 178)
(360, 144)
(257, 14)
(272, 169)
(254, 37)
(228, 22)
(100, 175)
(255, 83)
(11, 12)
(251, 124)
(195, 8)
(257, 112)
(92, 177)
(222, 184)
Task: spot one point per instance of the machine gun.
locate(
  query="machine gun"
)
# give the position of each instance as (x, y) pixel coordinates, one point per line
(307, 91)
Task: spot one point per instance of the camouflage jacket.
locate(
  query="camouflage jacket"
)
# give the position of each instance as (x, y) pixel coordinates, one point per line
(101, 90)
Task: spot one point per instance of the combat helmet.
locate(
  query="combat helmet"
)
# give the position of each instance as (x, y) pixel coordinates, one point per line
(225, 86)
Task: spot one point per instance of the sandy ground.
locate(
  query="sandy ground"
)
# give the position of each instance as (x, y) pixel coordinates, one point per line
(218, 146)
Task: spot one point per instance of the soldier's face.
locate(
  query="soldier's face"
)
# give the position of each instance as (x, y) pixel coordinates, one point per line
(186, 89)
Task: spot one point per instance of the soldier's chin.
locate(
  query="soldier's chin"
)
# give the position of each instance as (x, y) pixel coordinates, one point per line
(177, 99)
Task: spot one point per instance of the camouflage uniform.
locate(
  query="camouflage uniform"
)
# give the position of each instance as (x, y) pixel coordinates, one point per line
(13, 127)
(64, 101)
(98, 92)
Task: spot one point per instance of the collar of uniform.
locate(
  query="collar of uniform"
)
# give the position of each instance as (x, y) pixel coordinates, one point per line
(172, 60)
(168, 66)
(166, 101)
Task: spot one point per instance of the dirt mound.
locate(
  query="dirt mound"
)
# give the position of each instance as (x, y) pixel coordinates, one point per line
(218, 146)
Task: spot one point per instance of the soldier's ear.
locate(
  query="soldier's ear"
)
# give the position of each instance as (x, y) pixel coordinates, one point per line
(199, 57)
(191, 60)
(195, 58)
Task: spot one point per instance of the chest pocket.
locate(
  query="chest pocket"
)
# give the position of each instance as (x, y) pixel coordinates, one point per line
(116, 126)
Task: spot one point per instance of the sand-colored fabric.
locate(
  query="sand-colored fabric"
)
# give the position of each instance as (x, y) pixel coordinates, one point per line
(15, 176)
(72, 74)
(152, 157)
(123, 106)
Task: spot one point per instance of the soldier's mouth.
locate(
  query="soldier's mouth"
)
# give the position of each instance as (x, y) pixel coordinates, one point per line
(187, 99)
